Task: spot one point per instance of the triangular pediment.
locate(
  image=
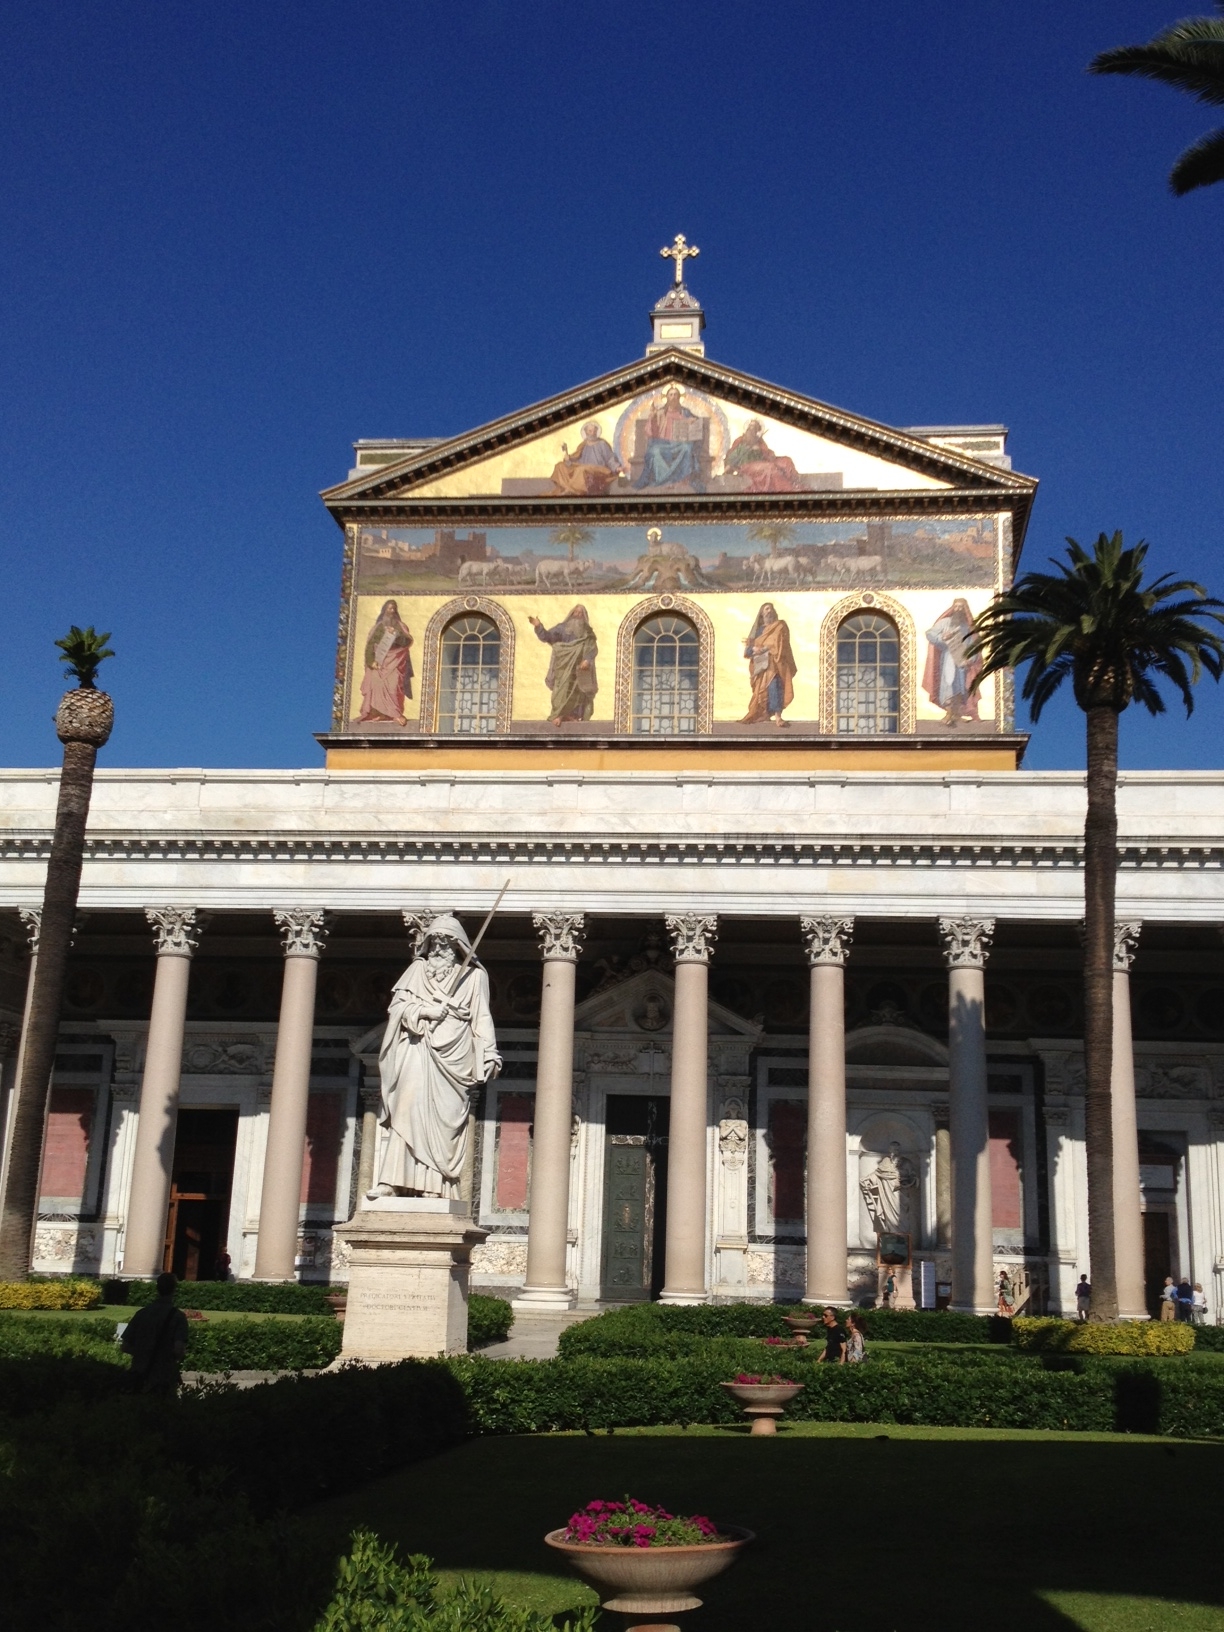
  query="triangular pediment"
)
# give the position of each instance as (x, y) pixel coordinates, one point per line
(670, 426)
(641, 1005)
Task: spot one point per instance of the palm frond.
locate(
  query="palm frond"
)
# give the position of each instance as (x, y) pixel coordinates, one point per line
(83, 651)
(1201, 165)
(1189, 56)
(1095, 622)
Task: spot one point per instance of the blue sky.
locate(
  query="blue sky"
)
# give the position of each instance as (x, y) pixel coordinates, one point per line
(238, 236)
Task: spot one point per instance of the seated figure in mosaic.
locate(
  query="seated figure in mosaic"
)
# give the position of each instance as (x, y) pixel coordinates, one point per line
(439, 1047)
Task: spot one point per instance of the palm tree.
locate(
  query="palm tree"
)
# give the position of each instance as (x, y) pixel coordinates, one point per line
(83, 723)
(773, 533)
(572, 536)
(1098, 624)
(1190, 56)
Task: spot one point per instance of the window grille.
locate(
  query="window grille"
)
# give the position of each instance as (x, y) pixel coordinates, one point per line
(470, 677)
(666, 652)
(868, 676)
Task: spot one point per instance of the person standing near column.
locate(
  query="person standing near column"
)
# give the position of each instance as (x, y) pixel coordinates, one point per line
(1128, 1207)
(828, 946)
(966, 946)
(693, 939)
(176, 935)
(561, 936)
(304, 933)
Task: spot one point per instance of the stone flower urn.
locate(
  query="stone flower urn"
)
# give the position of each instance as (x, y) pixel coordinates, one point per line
(651, 1580)
(802, 1326)
(763, 1403)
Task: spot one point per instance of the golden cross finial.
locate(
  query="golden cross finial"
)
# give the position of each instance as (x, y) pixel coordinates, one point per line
(679, 252)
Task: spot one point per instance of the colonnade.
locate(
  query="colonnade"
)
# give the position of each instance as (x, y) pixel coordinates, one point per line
(964, 1208)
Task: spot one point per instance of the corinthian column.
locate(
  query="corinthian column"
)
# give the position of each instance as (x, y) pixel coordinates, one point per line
(303, 932)
(693, 939)
(966, 945)
(561, 936)
(176, 934)
(828, 946)
(1128, 1211)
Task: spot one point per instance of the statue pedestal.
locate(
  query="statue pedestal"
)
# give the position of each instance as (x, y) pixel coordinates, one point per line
(408, 1278)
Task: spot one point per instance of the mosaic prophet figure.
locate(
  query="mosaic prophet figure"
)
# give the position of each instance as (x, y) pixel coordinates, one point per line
(439, 1047)
(388, 668)
(592, 467)
(950, 671)
(771, 668)
(571, 669)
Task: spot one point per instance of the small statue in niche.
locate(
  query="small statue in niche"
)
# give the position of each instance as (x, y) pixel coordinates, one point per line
(889, 1191)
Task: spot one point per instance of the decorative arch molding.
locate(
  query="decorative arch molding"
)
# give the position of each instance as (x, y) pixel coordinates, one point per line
(650, 608)
(868, 600)
(431, 658)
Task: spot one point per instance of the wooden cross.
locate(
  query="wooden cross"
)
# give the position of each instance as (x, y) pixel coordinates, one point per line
(679, 252)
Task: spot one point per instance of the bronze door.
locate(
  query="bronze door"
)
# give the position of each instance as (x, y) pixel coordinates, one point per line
(635, 1193)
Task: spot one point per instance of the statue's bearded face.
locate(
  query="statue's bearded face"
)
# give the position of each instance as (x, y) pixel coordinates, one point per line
(441, 954)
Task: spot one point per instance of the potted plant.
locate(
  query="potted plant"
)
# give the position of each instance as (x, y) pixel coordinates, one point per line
(642, 1560)
(802, 1324)
(763, 1398)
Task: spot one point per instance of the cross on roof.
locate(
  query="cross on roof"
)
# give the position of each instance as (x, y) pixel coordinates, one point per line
(679, 252)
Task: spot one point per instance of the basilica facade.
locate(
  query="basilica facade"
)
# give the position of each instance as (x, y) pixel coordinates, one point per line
(785, 975)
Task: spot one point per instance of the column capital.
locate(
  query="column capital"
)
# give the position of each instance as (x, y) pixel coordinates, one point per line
(416, 923)
(966, 941)
(176, 930)
(827, 939)
(1126, 942)
(693, 936)
(303, 930)
(941, 1113)
(31, 918)
(561, 935)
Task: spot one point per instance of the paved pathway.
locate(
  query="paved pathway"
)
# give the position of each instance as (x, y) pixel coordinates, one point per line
(534, 1337)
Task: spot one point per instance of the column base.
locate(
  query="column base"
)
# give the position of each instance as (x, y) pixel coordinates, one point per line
(838, 1299)
(543, 1300)
(973, 1308)
(684, 1300)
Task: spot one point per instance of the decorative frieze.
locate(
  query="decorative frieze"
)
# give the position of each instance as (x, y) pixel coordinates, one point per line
(561, 935)
(693, 936)
(827, 939)
(966, 941)
(303, 930)
(176, 930)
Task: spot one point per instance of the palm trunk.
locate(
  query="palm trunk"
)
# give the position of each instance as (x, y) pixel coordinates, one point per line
(46, 999)
(1100, 879)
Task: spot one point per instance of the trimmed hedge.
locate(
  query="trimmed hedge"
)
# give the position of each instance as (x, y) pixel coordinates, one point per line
(519, 1397)
(1046, 1333)
(221, 1345)
(176, 1510)
(489, 1320)
(1209, 1338)
(69, 1293)
(242, 1297)
(644, 1329)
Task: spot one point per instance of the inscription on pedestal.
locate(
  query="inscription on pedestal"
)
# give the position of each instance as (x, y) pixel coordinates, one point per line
(408, 1283)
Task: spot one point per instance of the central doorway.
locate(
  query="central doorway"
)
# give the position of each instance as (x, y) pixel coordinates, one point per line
(635, 1197)
(197, 1228)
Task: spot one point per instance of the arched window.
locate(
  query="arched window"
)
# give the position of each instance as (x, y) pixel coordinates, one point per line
(469, 680)
(868, 675)
(666, 656)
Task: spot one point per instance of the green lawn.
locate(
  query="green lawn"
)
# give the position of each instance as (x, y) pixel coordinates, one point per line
(861, 1528)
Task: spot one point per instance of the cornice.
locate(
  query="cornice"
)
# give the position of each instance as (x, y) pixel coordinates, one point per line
(587, 849)
(753, 394)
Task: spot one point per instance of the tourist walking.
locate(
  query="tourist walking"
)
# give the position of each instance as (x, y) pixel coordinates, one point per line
(856, 1346)
(835, 1340)
(156, 1340)
(1199, 1311)
(1168, 1299)
(1185, 1299)
(1083, 1298)
(1007, 1296)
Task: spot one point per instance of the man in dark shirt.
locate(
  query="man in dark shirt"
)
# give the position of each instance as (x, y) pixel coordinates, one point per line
(835, 1340)
(156, 1340)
